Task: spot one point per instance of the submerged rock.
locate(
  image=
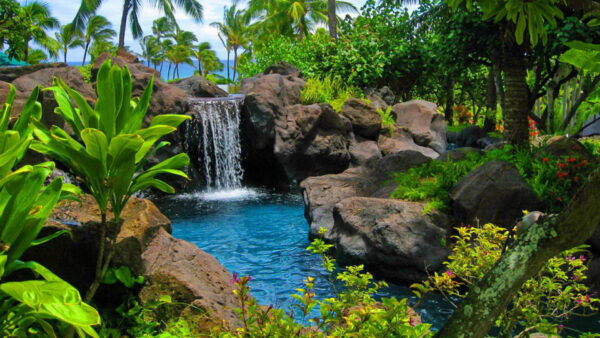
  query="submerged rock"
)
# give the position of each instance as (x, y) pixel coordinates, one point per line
(170, 266)
(493, 193)
(392, 238)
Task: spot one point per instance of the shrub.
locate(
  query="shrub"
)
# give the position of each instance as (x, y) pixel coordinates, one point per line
(543, 302)
(29, 307)
(110, 148)
(553, 179)
(387, 119)
(328, 90)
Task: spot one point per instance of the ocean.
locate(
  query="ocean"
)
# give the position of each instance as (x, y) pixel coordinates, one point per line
(185, 70)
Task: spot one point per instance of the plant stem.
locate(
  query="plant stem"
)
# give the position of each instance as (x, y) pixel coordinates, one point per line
(91, 292)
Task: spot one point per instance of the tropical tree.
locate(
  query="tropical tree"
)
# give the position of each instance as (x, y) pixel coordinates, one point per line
(211, 63)
(201, 52)
(150, 48)
(40, 20)
(36, 56)
(110, 149)
(162, 27)
(68, 37)
(100, 46)
(131, 10)
(98, 28)
(233, 33)
(183, 38)
(177, 55)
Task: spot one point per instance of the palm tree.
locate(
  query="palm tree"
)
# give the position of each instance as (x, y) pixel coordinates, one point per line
(177, 55)
(161, 27)
(68, 37)
(211, 63)
(131, 9)
(97, 28)
(38, 14)
(183, 38)
(150, 47)
(233, 33)
(100, 46)
(201, 52)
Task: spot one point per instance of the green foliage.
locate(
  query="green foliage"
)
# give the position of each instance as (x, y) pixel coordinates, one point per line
(354, 313)
(112, 147)
(387, 119)
(583, 55)
(554, 180)
(557, 292)
(328, 90)
(86, 72)
(26, 307)
(593, 145)
(122, 274)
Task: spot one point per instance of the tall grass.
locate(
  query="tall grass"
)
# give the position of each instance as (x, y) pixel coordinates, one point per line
(328, 90)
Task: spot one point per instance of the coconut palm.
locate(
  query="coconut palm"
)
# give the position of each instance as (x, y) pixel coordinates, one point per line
(201, 52)
(177, 55)
(162, 27)
(233, 33)
(183, 38)
(68, 37)
(150, 47)
(210, 63)
(100, 46)
(38, 15)
(97, 28)
(131, 10)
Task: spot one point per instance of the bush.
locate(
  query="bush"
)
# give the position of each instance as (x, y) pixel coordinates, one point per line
(543, 302)
(554, 179)
(328, 90)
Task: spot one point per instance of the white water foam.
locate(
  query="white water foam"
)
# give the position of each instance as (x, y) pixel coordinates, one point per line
(222, 195)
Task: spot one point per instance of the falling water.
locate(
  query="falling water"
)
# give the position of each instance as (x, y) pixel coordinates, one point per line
(216, 141)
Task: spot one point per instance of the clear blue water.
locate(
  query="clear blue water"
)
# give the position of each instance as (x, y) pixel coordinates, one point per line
(265, 235)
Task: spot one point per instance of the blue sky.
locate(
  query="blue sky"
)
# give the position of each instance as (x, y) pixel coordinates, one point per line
(65, 10)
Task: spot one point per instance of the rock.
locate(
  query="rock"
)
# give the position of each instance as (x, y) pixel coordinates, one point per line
(493, 193)
(364, 151)
(312, 141)
(169, 266)
(198, 86)
(384, 93)
(452, 137)
(559, 146)
(392, 238)
(592, 126)
(402, 140)
(322, 193)
(486, 141)
(366, 122)
(9, 74)
(267, 97)
(428, 128)
(498, 145)
(398, 161)
(458, 154)
(44, 77)
(593, 274)
(166, 98)
(377, 102)
(468, 136)
(283, 68)
(18, 103)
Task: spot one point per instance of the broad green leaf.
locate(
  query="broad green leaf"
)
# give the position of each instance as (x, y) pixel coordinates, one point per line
(173, 120)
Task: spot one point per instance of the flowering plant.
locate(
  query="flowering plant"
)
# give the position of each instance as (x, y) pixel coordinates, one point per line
(542, 304)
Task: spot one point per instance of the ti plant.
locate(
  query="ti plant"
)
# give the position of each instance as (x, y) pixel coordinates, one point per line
(25, 203)
(110, 149)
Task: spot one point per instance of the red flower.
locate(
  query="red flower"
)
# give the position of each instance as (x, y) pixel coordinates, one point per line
(449, 273)
(576, 178)
(561, 165)
(558, 198)
(545, 159)
(571, 159)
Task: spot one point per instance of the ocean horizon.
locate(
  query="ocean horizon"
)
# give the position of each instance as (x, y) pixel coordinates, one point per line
(185, 70)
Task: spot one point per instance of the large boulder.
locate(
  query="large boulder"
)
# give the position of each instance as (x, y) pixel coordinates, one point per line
(322, 193)
(392, 238)
(166, 98)
(493, 193)
(9, 74)
(283, 68)
(313, 140)
(364, 151)
(44, 77)
(198, 86)
(420, 118)
(560, 146)
(366, 122)
(402, 140)
(469, 136)
(170, 266)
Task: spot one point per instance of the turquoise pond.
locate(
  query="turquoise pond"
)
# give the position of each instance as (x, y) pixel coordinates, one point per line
(265, 235)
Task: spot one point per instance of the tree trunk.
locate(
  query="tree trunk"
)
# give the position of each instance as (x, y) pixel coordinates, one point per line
(488, 297)
(126, 8)
(499, 85)
(489, 123)
(169, 71)
(516, 127)
(332, 19)
(65, 54)
(235, 62)
(449, 112)
(228, 52)
(85, 51)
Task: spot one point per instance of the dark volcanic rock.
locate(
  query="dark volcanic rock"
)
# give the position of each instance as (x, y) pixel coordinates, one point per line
(392, 238)
(469, 136)
(493, 193)
(9, 74)
(283, 68)
(198, 86)
(363, 151)
(402, 140)
(365, 120)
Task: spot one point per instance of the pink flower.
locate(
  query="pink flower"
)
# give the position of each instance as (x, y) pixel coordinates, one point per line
(582, 258)
(587, 298)
(578, 300)
(560, 327)
(412, 322)
(449, 273)
(235, 278)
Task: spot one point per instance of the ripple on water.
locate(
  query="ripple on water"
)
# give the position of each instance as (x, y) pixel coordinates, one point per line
(264, 235)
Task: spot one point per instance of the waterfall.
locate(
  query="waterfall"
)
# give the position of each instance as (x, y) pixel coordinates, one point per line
(215, 142)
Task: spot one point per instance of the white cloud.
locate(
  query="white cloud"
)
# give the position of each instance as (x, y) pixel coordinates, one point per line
(65, 10)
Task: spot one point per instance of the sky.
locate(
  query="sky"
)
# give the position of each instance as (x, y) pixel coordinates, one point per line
(64, 11)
